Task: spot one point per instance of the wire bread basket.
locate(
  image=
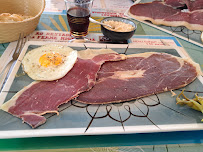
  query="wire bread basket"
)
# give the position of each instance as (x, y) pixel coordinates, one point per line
(10, 31)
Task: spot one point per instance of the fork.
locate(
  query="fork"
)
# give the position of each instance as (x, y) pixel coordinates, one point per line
(15, 56)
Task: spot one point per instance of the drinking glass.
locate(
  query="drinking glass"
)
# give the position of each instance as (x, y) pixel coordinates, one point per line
(78, 13)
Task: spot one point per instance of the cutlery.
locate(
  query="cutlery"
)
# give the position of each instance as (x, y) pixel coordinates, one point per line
(94, 21)
(15, 56)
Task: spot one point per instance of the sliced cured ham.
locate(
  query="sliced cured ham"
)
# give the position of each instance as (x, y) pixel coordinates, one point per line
(155, 11)
(176, 3)
(191, 20)
(138, 76)
(161, 13)
(192, 5)
(195, 5)
(40, 98)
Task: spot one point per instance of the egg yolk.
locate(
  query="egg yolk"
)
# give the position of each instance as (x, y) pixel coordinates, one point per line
(50, 59)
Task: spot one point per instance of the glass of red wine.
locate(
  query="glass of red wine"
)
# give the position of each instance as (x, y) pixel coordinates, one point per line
(78, 13)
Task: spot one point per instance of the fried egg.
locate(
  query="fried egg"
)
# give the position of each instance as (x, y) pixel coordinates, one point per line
(49, 62)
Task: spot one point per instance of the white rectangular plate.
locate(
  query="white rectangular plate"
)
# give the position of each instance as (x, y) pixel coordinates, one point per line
(157, 113)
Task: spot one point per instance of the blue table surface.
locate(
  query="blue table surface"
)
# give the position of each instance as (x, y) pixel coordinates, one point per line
(164, 138)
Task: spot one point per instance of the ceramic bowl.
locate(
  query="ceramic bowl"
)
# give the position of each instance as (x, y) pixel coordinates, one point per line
(118, 36)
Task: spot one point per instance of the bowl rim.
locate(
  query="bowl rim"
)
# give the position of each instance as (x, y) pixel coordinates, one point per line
(32, 18)
(135, 25)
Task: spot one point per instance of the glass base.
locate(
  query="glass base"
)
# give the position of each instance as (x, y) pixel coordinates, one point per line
(79, 40)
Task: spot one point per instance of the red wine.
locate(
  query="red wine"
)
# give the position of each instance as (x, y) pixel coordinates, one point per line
(78, 19)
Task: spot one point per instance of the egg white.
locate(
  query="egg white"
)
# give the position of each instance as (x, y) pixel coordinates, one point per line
(36, 71)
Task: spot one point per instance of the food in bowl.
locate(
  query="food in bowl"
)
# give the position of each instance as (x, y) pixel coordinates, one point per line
(9, 31)
(118, 26)
(12, 18)
(116, 36)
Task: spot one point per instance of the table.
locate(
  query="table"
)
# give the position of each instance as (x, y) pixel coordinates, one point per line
(157, 141)
(166, 141)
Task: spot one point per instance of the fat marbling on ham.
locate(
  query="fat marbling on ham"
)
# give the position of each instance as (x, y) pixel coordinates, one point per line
(138, 76)
(43, 97)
